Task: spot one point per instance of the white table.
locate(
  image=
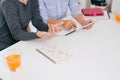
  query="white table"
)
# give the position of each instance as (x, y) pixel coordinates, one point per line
(95, 56)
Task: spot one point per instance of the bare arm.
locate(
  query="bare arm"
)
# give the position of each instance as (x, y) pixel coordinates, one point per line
(83, 22)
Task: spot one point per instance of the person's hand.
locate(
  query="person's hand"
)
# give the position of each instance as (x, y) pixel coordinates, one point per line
(69, 24)
(87, 22)
(54, 28)
(45, 35)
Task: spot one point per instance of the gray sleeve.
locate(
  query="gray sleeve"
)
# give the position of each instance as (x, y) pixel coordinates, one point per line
(36, 17)
(10, 12)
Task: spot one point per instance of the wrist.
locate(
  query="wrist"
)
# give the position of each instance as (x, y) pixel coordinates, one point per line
(53, 21)
(80, 18)
(82, 22)
(38, 34)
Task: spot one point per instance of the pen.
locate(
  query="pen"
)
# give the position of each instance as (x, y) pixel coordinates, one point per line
(88, 25)
(45, 55)
(108, 14)
(70, 32)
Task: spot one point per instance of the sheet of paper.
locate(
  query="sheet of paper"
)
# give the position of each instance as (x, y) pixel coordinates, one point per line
(54, 53)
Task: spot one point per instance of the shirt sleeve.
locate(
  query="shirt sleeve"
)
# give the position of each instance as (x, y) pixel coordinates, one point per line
(10, 12)
(43, 11)
(36, 17)
(74, 7)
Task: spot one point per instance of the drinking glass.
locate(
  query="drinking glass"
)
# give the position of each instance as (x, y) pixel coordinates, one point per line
(13, 59)
(116, 14)
(117, 17)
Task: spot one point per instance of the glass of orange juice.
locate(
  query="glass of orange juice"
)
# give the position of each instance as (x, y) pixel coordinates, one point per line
(117, 17)
(13, 59)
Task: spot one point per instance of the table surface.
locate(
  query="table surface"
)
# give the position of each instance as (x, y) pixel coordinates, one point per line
(95, 56)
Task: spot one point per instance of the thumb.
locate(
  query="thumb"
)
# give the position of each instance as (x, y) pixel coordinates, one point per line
(90, 21)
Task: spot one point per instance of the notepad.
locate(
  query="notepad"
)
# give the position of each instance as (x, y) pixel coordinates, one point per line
(92, 11)
(54, 53)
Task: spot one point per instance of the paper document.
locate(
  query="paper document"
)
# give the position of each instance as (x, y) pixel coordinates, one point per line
(53, 53)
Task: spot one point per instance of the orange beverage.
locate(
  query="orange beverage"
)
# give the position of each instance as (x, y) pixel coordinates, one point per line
(117, 17)
(13, 61)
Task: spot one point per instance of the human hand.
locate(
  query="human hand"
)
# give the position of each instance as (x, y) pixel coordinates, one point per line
(87, 24)
(44, 35)
(69, 24)
(54, 28)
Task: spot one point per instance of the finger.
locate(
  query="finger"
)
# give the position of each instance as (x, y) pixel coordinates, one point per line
(73, 25)
(89, 26)
(67, 26)
(50, 30)
(43, 34)
(47, 38)
(50, 36)
(57, 28)
(47, 35)
(54, 26)
(89, 21)
(60, 24)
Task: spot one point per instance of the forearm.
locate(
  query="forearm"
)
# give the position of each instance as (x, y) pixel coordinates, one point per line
(23, 35)
(53, 21)
(83, 22)
(80, 18)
